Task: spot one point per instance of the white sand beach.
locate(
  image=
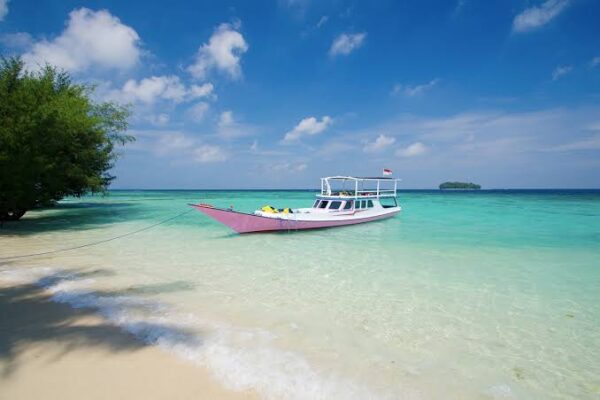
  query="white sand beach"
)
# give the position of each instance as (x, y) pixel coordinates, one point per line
(53, 351)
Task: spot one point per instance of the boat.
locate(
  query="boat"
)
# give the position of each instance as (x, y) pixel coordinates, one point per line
(356, 200)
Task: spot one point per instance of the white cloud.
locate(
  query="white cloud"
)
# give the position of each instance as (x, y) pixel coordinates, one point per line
(222, 52)
(535, 17)
(207, 153)
(415, 90)
(308, 126)
(412, 150)
(379, 144)
(161, 119)
(149, 90)
(198, 111)
(3, 9)
(18, 40)
(561, 71)
(173, 142)
(346, 43)
(161, 142)
(205, 90)
(496, 137)
(595, 62)
(229, 128)
(226, 119)
(177, 146)
(91, 39)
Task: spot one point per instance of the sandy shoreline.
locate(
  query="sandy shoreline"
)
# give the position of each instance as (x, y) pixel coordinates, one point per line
(52, 351)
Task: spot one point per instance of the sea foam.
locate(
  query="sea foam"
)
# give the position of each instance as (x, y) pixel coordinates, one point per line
(241, 359)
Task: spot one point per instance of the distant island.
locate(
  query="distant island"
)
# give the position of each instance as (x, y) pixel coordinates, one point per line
(460, 185)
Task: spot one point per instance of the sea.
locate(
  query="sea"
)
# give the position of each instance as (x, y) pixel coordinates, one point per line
(491, 294)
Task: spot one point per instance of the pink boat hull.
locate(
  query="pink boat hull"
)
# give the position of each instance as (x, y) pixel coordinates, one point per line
(246, 223)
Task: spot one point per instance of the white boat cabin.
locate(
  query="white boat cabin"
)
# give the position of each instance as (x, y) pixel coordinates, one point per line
(348, 193)
(345, 196)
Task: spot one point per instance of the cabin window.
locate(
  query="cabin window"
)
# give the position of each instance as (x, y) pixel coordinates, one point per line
(363, 204)
(323, 204)
(388, 202)
(316, 203)
(370, 203)
(335, 205)
(348, 205)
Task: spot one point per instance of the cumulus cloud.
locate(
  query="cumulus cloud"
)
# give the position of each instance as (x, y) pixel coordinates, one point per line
(207, 153)
(379, 144)
(495, 135)
(178, 146)
(172, 142)
(161, 119)
(226, 119)
(150, 90)
(229, 128)
(308, 126)
(198, 111)
(205, 90)
(537, 16)
(412, 150)
(90, 39)
(222, 52)
(3, 9)
(561, 71)
(346, 43)
(415, 90)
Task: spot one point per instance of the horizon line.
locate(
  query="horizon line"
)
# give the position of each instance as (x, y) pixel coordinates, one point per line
(317, 189)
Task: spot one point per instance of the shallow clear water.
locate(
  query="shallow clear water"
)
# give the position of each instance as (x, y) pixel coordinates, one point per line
(468, 295)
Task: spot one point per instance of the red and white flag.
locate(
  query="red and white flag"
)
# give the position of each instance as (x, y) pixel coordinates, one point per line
(387, 172)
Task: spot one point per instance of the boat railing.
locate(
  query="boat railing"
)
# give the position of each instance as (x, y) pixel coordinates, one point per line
(359, 192)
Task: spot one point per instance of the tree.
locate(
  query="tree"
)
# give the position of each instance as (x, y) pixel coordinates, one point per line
(460, 185)
(55, 141)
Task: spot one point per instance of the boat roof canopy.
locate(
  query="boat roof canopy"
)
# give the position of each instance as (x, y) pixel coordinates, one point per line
(360, 187)
(361, 178)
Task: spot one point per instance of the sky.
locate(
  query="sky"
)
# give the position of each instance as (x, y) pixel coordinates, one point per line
(276, 94)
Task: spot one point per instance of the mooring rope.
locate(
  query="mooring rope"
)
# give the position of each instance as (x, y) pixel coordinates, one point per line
(97, 242)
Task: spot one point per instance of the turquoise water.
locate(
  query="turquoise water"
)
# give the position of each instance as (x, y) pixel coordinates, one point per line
(464, 295)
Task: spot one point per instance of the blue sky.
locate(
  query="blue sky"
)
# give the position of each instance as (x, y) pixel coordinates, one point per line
(275, 94)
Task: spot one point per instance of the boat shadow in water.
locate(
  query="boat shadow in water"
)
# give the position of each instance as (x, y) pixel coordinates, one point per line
(30, 315)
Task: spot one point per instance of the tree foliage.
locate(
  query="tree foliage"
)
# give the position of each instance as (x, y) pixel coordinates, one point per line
(460, 185)
(55, 141)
